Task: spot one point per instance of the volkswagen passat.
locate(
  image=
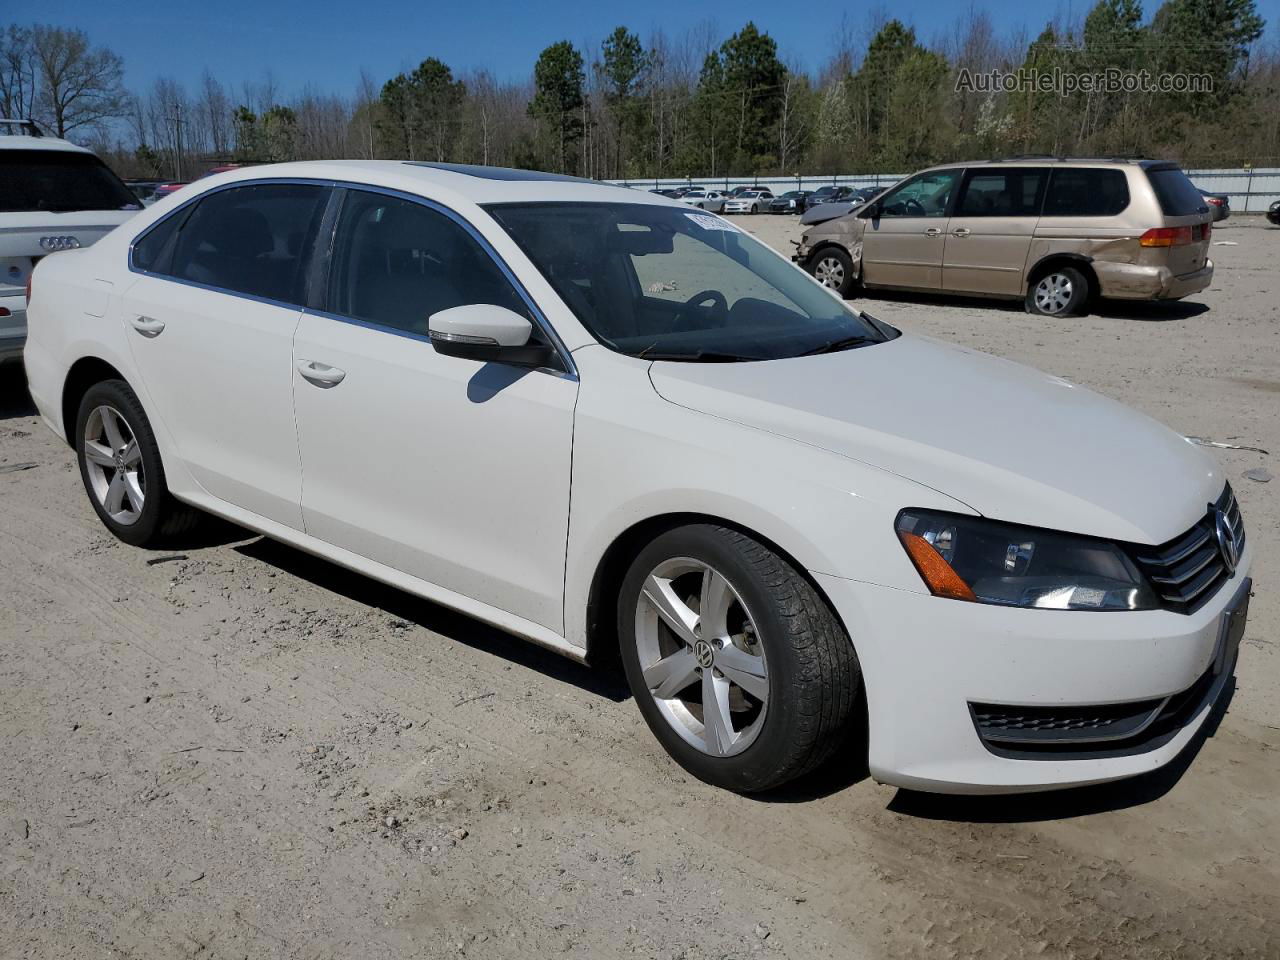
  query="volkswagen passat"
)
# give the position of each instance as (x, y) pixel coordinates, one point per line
(604, 421)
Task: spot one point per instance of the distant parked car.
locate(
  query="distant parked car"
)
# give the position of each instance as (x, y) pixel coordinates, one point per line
(54, 196)
(144, 190)
(1052, 233)
(749, 201)
(1219, 204)
(740, 189)
(793, 201)
(1273, 213)
(712, 200)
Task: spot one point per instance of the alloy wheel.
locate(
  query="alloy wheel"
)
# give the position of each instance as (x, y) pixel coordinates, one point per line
(701, 655)
(113, 462)
(829, 272)
(1053, 293)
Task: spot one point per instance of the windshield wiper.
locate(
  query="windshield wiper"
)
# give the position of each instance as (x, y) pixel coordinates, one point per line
(844, 343)
(708, 356)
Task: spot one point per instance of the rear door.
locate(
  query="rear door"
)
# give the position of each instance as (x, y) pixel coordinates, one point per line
(990, 230)
(903, 246)
(211, 320)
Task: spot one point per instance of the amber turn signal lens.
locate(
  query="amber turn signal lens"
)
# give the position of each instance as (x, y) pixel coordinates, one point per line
(937, 573)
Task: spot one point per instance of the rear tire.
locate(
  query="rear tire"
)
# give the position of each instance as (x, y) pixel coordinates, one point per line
(833, 268)
(1058, 291)
(773, 659)
(121, 469)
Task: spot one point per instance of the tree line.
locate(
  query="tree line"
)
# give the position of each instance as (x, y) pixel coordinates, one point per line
(701, 105)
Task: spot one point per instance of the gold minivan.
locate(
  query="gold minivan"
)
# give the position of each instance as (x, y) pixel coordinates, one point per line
(1052, 232)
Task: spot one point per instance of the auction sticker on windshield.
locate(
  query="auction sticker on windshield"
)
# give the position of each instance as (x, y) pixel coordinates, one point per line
(707, 222)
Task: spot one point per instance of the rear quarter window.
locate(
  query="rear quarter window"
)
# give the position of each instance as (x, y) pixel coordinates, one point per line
(1086, 192)
(1176, 194)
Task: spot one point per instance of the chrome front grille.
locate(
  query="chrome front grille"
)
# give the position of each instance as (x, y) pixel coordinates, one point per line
(1189, 569)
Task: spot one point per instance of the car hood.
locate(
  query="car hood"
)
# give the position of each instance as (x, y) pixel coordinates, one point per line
(1008, 441)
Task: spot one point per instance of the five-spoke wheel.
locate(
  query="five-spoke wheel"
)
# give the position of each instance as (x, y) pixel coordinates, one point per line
(737, 664)
(117, 477)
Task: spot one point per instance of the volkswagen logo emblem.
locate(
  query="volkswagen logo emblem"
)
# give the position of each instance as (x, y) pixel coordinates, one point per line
(703, 653)
(1227, 543)
(53, 244)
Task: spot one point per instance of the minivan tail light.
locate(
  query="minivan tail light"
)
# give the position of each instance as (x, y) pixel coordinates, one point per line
(1166, 237)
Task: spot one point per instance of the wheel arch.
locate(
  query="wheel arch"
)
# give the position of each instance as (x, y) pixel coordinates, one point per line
(1078, 260)
(606, 581)
(82, 375)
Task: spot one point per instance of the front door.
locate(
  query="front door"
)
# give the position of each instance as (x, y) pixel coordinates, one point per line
(210, 322)
(450, 470)
(902, 246)
(990, 230)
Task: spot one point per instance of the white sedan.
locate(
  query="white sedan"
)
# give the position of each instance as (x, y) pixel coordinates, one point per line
(749, 201)
(606, 422)
(712, 200)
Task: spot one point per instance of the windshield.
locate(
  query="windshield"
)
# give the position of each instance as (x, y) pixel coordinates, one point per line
(59, 181)
(662, 283)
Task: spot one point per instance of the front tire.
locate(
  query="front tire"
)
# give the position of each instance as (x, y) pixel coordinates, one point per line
(739, 668)
(833, 268)
(121, 469)
(1057, 292)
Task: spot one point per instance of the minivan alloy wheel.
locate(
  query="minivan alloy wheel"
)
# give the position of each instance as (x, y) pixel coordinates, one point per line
(113, 461)
(701, 656)
(1053, 293)
(829, 272)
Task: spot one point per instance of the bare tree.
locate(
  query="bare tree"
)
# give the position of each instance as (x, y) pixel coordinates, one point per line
(79, 85)
(17, 73)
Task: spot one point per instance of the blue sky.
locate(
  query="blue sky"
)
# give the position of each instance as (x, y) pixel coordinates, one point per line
(325, 43)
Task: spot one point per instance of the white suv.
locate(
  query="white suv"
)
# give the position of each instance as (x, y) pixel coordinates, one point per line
(53, 196)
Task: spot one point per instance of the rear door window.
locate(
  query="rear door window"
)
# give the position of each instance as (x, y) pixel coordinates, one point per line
(1003, 193)
(253, 240)
(60, 181)
(1086, 192)
(1176, 194)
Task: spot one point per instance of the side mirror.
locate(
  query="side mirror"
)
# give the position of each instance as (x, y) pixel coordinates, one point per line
(486, 332)
(871, 211)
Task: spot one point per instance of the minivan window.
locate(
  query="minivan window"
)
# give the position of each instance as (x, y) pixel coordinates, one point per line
(60, 181)
(1177, 196)
(396, 262)
(252, 239)
(1086, 192)
(925, 195)
(1012, 192)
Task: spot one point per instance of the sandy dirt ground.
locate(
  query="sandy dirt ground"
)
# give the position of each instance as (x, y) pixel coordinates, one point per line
(232, 750)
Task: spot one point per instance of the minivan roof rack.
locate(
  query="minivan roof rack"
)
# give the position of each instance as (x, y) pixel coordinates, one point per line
(27, 128)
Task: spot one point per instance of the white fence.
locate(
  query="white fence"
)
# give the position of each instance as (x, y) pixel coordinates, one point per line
(1251, 191)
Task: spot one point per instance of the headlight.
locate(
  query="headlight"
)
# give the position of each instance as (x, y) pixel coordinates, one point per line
(969, 558)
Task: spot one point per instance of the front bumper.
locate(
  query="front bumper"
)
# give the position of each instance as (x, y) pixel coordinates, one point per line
(13, 328)
(926, 659)
(1132, 281)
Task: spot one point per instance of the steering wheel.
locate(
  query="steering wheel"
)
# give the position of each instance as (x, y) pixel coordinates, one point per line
(915, 207)
(719, 306)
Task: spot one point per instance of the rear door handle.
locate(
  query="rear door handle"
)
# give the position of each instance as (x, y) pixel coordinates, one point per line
(961, 232)
(933, 232)
(147, 326)
(321, 374)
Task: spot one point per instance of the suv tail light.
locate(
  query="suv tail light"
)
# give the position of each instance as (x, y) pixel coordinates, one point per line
(1166, 237)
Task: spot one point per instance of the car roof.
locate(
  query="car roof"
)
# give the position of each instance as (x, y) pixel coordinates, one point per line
(447, 182)
(24, 142)
(1038, 160)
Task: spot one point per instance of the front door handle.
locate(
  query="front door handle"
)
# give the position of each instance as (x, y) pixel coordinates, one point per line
(961, 232)
(321, 374)
(147, 326)
(933, 232)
